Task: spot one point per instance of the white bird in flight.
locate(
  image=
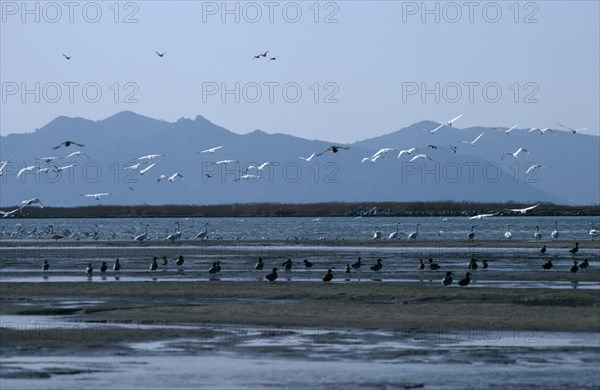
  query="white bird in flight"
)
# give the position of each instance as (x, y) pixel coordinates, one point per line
(406, 151)
(3, 165)
(383, 151)
(372, 159)
(77, 154)
(450, 122)
(226, 162)
(515, 154)
(26, 169)
(97, 196)
(418, 156)
(308, 159)
(212, 150)
(9, 214)
(482, 216)
(150, 156)
(247, 177)
(574, 131)
(533, 168)
(29, 202)
(472, 143)
(541, 131)
(48, 159)
(170, 178)
(147, 168)
(511, 129)
(135, 167)
(525, 210)
(436, 129)
(64, 167)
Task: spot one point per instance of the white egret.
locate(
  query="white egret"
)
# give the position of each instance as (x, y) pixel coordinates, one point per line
(533, 168)
(151, 156)
(419, 156)
(142, 171)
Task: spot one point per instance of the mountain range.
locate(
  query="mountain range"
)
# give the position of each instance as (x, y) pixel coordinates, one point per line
(483, 172)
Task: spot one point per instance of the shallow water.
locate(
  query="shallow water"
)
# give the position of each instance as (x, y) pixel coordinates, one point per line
(295, 228)
(233, 356)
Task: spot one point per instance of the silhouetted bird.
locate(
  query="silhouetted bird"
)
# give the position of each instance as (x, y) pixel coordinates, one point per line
(472, 264)
(307, 263)
(447, 280)
(117, 265)
(328, 276)
(259, 265)
(357, 265)
(287, 264)
(543, 250)
(433, 266)
(67, 57)
(179, 260)
(465, 281)
(377, 267)
(154, 264)
(584, 264)
(575, 249)
(333, 149)
(103, 267)
(89, 269)
(272, 276)
(45, 266)
(164, 260)
(67, 144)
(347, 268)
(485, 264)
(547, 265)
(161, 54)
(574, 267)
(421, 266)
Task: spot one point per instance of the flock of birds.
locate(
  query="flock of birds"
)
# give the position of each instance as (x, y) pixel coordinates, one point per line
(215, 269)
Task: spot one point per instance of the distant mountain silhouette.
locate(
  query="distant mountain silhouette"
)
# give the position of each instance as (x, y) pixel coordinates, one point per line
(475, 173)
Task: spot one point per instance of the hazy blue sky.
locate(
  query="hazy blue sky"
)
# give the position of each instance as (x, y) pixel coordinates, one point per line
(361, 75)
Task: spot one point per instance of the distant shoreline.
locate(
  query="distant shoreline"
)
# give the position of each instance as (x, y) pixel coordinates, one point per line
(333, 209)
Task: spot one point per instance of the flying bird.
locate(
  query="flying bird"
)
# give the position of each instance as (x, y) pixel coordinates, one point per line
(67, 57)
(451, 121)
(308, 159)
(26, 169)
(150, 156)
(48, 159)
(77, 154)
(511, 129)
(472, 143)
(247, 177)
(432, 147)
(454, 148)
(541, 131)
(64, 167)
(406, 151)
(29, 202)
(418, 156)
(97, 196)
(482, 216)
(212, 150)
(333, 149)
(524, 210)
(372, 159)
(272, 58)
(533, 168)
(436, 129)
(147, 168)
(66, 144)
(170, 178)
(9, 214)
(226, 162)
(160, 54)
(515, 154)
(574, 131)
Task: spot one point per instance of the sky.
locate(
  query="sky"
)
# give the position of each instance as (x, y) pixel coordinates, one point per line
(343, 71)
